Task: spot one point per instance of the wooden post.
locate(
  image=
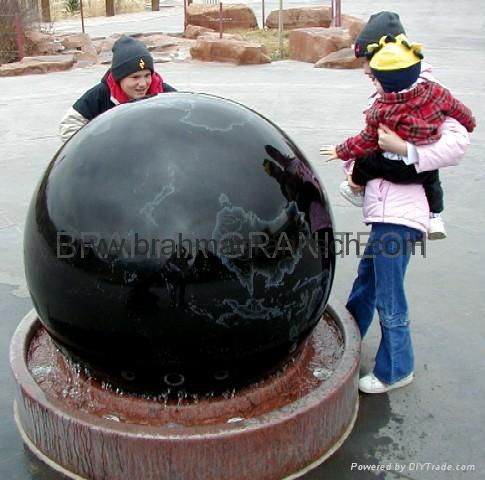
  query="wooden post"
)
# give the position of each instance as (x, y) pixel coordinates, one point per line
(110, 8)
(185, 15)
(280, 28)
(19, 36)
(221, 26)
(155, 5)
(82, 15)
(45, 10)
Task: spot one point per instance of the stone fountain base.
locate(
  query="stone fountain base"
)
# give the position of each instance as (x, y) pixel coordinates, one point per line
(279, 428)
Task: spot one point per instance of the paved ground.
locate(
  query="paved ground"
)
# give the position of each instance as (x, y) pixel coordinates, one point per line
(438, 419)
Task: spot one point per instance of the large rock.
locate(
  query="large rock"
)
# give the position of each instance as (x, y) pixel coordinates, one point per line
(159, 42)
(39, 43)
(353, 24)
(226, 36)
(344, 58)
(301, 17)
(233, 51)
(312, 44)
(167, 47)
(29, 65)
(75, 40)
(104, 45)
(81, 46)
(194, 31)
(236, 15)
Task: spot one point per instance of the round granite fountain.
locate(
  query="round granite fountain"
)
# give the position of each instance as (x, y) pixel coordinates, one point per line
(179, 255)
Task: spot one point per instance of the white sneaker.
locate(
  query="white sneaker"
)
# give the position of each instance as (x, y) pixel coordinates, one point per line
(371, 384)
(436, 229)
(355, 198)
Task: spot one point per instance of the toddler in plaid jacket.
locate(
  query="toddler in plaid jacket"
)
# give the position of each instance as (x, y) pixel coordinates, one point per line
(413, 108)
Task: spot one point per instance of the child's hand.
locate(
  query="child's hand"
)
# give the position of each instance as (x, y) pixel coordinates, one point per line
(354, 186)
(329, 151)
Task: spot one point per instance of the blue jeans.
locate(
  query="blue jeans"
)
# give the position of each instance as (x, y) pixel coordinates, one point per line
(380, 284)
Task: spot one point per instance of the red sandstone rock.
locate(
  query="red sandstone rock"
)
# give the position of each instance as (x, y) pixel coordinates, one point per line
(344, 58)
(225, 36)
(301, 17)
(39, 43)
(234, 16)
(233, 51)
(29, 65)
(312, 44)
(84, 48)
(103, 46)
(353, 24)
(159, 42)
(194, 31)
(75, 40)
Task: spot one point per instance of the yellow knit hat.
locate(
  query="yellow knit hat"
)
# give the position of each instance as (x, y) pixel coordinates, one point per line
(395, 62)
(394, 53)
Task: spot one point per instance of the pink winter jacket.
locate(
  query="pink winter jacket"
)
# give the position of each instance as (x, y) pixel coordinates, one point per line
(407, 204)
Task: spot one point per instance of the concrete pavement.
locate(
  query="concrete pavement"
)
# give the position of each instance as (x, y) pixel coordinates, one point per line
(436, 420)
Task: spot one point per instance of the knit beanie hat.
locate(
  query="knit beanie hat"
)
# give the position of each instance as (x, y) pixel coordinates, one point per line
(129, 56)
(395, 62)
(379, 24)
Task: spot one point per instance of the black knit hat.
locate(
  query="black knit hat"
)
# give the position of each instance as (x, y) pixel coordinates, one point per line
(379, 24)
(129, 56)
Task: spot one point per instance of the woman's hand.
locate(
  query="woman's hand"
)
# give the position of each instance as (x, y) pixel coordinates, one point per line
(329, 151)
(390, 141)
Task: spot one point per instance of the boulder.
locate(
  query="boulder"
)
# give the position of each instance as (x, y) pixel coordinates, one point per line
(181, 55)
(104, 46)
(38, 43)
(162, 57)
(194, 31)
(301, 17)
(225, 36)
(168, 47)
(353, 24)
(29, 65)
(344, 58)
(81, 45)
(75, 40)
(236, 15)
(233, 51)
(159, 42)
(312, 44)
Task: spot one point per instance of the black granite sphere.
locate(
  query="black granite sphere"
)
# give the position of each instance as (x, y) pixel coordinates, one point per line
(179, 240)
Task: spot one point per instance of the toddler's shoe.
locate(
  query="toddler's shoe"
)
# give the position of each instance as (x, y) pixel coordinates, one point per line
(436, 229)
(355, 198)
(371, 384)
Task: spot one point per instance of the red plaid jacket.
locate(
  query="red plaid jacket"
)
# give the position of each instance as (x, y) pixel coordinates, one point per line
(414, 115)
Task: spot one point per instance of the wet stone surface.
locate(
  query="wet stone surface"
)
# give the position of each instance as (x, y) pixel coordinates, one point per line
(66, 382)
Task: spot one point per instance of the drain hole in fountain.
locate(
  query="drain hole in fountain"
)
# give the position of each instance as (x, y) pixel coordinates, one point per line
(221, 375)
(174, 379)
(128, 375)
